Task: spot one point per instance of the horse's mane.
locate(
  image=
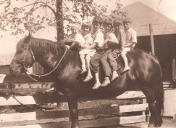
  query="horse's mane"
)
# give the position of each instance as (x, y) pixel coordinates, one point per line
(45, 46)
(42, 47)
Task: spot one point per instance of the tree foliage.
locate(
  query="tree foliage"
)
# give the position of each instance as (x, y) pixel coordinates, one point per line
(33, 15)
(19, 15)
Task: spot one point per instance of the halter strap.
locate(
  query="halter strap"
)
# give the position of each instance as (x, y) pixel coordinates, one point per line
(49, 73)
(32, 53)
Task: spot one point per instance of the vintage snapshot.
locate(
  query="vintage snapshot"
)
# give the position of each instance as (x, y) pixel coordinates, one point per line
(87, 63)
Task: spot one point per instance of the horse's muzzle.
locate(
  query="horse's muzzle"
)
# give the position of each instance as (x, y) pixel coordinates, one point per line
(16, 69)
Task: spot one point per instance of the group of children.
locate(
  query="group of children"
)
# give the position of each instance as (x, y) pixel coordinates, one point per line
(94, 47)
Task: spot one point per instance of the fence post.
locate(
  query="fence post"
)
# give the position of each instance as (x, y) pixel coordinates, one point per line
(151, 39)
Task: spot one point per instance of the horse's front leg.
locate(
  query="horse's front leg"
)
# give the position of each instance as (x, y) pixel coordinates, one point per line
(73, 107)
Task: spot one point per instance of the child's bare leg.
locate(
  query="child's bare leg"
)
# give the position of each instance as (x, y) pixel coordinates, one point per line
(89, 75)
(126, 68)
(83, 63)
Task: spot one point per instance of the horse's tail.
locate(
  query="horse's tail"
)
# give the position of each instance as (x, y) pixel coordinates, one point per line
(160, 90)
(160, 96)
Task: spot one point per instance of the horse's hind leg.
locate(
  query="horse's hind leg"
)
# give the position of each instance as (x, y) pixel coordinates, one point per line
(154, 95)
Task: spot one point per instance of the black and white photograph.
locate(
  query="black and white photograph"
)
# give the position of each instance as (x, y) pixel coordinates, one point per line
(87, 63)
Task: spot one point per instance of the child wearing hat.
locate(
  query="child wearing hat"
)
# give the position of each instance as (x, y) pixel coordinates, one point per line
(129, 43)
(76, 35)
(98, 39)
(110, 38)
(112, 57)
(127, 40)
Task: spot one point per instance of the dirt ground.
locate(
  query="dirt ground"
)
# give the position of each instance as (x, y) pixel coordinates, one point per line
(167, 123)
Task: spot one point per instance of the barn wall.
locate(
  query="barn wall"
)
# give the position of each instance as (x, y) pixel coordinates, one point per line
(165, 49)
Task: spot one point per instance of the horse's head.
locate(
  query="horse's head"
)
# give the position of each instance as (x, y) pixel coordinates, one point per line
(23, 57)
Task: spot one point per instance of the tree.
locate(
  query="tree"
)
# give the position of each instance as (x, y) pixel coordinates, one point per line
(33, 15)
(21, 15)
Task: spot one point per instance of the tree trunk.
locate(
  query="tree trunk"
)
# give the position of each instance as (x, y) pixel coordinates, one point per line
(59, 20)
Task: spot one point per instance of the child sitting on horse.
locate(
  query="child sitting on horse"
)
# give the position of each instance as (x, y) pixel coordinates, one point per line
(110, 38)
(127, 41)
(112, 57)
(87, 48)
(98, 38)
(76, 34)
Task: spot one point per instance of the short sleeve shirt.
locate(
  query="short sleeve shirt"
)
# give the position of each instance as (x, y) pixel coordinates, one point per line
(79, 38)
(88, 39)
(131, 37)
(110, 36)
(99, 38)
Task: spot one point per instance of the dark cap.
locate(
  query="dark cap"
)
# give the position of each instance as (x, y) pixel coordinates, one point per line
(97, 19)
(117, 21)
(127, 20)
(86, 24)
(108, 21)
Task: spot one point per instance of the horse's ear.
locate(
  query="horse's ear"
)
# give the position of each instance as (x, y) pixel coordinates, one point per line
(27, 39)
(75, 46)
(29, 35)
(69, 43)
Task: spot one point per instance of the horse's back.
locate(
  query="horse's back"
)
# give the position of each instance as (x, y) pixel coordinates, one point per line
(144, 65)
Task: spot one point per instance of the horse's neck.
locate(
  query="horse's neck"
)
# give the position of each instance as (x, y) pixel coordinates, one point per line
(48, 59)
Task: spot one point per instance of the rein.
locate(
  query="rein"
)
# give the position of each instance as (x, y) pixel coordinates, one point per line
(49, 73)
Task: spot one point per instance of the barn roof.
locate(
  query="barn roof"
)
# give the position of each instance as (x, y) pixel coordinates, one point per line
(142, 16)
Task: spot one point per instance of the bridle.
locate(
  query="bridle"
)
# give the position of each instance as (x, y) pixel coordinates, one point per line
(32, 76)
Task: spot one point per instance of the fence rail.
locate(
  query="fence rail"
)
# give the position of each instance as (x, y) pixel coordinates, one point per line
(35, 109)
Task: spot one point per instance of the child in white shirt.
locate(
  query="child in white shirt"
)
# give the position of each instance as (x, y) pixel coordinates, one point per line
(87, 48)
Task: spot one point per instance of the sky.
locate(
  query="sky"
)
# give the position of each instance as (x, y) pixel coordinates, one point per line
(166, 7)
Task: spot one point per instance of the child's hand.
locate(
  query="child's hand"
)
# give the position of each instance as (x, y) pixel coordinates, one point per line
(67, 46)
(98, 45)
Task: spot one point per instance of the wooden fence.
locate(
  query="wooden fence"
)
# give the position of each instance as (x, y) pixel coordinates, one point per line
(35, 109)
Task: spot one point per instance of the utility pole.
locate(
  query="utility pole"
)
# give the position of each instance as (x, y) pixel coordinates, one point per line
(151, 39)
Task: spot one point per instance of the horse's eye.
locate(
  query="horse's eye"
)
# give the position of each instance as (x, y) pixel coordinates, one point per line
(19, 51)
(25, 48)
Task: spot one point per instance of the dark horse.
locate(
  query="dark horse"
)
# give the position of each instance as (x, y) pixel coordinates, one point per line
(145, 74)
